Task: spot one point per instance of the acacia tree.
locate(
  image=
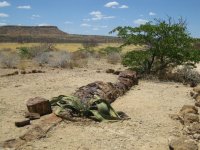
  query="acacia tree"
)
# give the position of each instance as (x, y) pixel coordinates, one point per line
(167, 43)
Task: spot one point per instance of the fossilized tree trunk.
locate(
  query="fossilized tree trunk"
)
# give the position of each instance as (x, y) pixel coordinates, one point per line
(107, 90)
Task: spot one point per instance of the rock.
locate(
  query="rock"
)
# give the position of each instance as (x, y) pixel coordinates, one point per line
(127, 82)
(196, 136)
(193, 84)
(194, 128)
(35, 133)
(22, 123)
(197, 103)
(110, 71)
(197, 98)
(34, 71)
(194, 94)
(23, 72)
(98, 71)
(174, 116)
(39, 105)
(117, 72)
(182, 143)
(188, 109)
(197, 89)
(12, 144)
(132, 75)
(32, 116)
(190, 118)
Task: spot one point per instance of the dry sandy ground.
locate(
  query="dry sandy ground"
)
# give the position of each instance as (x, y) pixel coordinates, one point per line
(148, 104)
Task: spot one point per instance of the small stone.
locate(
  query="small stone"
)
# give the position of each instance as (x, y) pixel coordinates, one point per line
(117, 72)
(23, 72)
(196, 136)
(197, 103)
(110, 71)
(22, 123)
(98, 71)
(34, 71)
(32, 116)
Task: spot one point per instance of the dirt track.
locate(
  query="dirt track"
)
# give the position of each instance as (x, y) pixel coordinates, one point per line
(148, 104)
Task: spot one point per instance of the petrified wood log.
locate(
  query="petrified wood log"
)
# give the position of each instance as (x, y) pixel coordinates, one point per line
(108, 91)
(39, 105)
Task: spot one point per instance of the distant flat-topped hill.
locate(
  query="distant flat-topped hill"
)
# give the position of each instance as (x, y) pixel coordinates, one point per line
(27, 34)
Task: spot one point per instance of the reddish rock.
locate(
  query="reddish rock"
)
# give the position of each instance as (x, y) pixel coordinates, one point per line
(32, 116)
(39, 105)
(22, 123)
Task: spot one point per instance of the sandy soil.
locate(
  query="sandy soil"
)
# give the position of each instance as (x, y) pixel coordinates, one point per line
(148, 104)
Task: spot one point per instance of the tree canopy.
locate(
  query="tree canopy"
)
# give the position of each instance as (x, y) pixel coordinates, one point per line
(166, 43)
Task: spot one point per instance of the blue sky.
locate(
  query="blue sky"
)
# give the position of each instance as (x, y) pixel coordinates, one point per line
(97, 16)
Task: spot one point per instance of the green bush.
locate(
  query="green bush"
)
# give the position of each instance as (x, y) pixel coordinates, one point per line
(136, 60)
(24, 52)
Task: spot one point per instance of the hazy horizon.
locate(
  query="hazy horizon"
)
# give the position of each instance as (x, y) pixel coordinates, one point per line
(95, 17)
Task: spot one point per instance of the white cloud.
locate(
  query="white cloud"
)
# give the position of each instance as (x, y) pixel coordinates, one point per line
(85, 25)
(2, 15)
(140, 21)
(4, 4)
(152, 14)
(68, 22)
(112, 4)
(124, 7)
(97, 15)
(24, 7)
(36, 16)
(3, 24)
(44, 24)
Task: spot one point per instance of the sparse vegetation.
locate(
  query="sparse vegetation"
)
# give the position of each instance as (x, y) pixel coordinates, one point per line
(114, 58)
(9, 59)
(188, 75)
(32, 52)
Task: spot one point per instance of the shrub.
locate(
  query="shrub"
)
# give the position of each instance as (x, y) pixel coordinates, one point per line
(187, 74)
(32, 52)
(43, 58)
(9, 59)
(114, 58)
(60, 60)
